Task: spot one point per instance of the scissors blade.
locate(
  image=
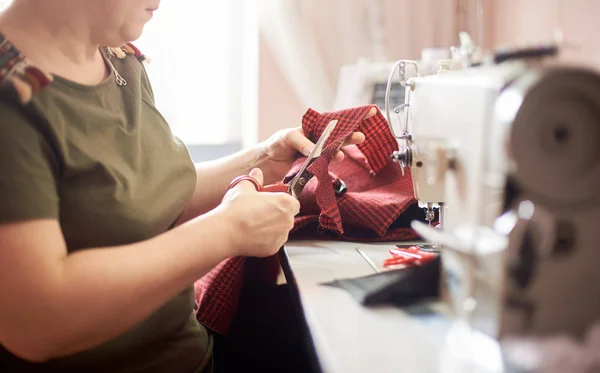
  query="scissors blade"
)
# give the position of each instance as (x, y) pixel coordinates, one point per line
(302, 177)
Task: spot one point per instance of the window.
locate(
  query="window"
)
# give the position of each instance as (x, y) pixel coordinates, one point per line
(202, 53)
(204, 68)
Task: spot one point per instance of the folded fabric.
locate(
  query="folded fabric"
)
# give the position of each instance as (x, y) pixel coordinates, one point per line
(218, 293)
(377, 193)
(400, 287)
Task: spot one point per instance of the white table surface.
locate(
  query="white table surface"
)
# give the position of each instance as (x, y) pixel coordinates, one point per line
(349, 337)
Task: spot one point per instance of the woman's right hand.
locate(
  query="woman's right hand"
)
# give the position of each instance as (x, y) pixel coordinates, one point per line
(261, 220)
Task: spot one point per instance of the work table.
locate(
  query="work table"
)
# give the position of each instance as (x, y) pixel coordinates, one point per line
(349, 337)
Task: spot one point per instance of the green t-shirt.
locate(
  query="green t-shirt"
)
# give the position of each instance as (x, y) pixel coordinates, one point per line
(104, 163)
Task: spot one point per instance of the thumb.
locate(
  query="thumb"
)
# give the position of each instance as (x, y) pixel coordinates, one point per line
(258, 175)
(242, 182)
(298, 141)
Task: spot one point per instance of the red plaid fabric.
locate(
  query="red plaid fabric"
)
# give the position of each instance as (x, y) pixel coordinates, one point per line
(377, 192)
(218, 292)
(377, 196)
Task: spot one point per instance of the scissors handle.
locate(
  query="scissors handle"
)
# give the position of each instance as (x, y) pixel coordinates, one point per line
(273, 188)
(276, 188)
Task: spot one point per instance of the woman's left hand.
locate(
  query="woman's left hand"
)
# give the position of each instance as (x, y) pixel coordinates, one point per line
(281, 150)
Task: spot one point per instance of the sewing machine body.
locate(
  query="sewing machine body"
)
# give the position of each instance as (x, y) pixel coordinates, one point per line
(446, 120)
(454, 140)
(518, 241)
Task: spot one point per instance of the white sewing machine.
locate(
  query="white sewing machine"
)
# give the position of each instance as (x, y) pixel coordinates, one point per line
(509, 147)
(422, 132)
(366, 82)
(369, 82)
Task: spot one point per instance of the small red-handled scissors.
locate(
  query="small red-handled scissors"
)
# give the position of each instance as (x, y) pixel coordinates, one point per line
(408, 256)
(297, 184)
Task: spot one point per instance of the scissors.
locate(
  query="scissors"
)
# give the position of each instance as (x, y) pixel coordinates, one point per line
(412, 255)
(297, 184)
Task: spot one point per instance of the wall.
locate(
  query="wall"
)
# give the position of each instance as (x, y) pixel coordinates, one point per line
(344, 28)
(342, 34)
(279, 107)
(516, 21)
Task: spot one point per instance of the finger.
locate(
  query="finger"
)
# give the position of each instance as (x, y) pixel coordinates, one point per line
(371, 113)
(280, 242)
(249, 185)
(257, 174)
(354, 139)
(295, 206)
(246, 186)
(298, 141)
(339, 156)
(291, 204)
(290, 224)
(358, 137)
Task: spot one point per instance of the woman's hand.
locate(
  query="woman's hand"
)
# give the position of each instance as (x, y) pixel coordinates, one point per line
(281, 150)
(261, 220)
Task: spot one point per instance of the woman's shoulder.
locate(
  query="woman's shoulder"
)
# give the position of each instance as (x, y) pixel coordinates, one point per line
(128, 49)
(132, 64)
(21, 79)
(18, 73)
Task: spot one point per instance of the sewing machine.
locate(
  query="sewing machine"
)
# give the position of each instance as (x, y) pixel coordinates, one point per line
(366, 82)
(369, 82)
(422, 133)
(507, 146)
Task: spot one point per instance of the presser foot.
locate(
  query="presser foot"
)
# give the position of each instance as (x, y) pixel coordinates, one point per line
(429, 247)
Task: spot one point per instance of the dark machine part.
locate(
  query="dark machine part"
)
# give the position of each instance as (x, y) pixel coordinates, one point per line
(525, 53)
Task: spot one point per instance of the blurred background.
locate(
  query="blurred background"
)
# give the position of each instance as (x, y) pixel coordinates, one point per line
(229, 73)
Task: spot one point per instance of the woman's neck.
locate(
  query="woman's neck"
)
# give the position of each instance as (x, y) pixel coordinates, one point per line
(54, 43)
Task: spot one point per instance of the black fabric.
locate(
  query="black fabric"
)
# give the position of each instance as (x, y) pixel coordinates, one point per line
(400, 287)
(266, 335)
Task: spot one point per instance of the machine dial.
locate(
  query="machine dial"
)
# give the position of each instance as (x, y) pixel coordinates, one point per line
(555, 139)
(403, 157)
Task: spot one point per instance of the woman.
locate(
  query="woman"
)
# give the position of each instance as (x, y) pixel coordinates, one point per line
(105, 223)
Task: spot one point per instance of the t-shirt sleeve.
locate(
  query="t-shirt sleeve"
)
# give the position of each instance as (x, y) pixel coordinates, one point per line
(28, 168)
(146, 84)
